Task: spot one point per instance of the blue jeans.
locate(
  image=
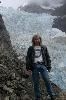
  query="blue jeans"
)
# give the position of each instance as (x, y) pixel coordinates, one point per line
(35, 76)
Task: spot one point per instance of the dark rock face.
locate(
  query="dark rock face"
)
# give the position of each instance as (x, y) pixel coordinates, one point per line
(34, 8)
(60, 11)
(10, 66)
(60, 22)
(4, 36)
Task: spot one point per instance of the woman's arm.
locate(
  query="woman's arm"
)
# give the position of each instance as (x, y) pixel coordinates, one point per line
(28, 58)
(48, 60)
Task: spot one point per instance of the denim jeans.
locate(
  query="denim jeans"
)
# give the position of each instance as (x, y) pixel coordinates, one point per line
(35, 77)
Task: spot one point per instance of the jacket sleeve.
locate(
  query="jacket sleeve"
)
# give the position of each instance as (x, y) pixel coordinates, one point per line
(48, 60)
(28, 59)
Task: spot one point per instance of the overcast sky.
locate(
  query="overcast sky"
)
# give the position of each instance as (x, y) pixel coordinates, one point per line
(11, 3)
(17, 3)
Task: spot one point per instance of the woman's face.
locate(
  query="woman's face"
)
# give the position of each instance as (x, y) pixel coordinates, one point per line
(37, 41)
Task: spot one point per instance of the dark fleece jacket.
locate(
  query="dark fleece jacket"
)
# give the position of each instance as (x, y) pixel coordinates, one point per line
(30, 58)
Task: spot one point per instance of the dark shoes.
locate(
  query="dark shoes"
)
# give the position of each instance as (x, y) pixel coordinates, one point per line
(37, 99)
(50, 97)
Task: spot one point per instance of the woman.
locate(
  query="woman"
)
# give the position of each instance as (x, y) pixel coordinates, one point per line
(38, 60)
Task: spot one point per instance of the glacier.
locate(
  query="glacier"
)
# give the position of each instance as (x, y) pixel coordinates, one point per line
(22, 26)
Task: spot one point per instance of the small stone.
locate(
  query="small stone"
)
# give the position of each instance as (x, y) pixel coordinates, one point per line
(7, 98)
(26, 97)
(8, 89)
(24, 91)
(29, 84)
(23, 80)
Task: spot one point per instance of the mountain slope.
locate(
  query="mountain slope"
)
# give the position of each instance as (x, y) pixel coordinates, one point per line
(9, 64)
(60, 11)
(34, 8)
(60, 22)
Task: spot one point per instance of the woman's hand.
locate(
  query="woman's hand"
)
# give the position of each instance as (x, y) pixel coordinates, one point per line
(28, 72)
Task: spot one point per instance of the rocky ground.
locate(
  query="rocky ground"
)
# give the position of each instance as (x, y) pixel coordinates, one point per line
(13, 82)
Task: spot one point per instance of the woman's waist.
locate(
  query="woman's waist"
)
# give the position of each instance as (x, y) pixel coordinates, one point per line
(39, 63)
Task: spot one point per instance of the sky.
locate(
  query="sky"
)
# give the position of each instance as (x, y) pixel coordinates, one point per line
(11, 3)
(17, 3)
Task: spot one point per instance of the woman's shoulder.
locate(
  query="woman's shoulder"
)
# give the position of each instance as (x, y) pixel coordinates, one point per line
(30, 47)
(44, 46)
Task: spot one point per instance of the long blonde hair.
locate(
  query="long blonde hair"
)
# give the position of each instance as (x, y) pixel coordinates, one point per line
(33, 39)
